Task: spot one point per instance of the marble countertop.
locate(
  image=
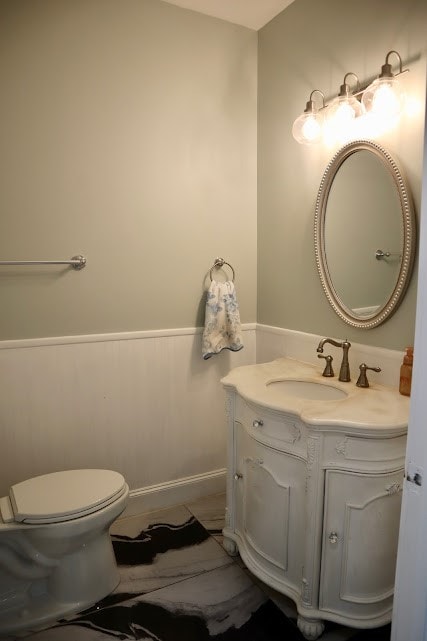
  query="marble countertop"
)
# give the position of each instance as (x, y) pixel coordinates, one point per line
(377, 406)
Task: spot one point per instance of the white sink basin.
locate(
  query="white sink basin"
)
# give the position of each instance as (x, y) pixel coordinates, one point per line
(309, 390)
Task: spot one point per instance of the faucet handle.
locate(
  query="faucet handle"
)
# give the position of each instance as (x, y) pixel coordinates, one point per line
(328, 371)
(362, 381)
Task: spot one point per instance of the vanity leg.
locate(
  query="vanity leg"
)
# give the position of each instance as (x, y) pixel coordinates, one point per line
(230, 546)
(310, 628)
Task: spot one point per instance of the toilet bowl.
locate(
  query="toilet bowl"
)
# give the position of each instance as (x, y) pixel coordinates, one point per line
(56, 556)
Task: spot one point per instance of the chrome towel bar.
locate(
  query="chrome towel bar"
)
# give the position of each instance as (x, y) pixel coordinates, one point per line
(77, 262)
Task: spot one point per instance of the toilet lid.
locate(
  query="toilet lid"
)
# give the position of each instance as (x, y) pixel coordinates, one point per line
(62, 496)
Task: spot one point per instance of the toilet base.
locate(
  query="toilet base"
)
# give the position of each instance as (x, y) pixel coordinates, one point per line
(80, 580)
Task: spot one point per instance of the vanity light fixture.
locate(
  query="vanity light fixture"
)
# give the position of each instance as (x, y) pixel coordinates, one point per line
(382, 101)
(308, 127)
(384, 97)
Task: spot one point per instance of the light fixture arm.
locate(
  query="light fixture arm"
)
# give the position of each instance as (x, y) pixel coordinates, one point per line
(386, 71)
(310, 106)
(345, 87)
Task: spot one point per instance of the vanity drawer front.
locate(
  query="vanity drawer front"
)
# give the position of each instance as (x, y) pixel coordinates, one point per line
(270, 427)
(342, 448)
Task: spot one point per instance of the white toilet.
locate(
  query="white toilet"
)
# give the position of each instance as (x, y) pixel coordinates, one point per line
(56, 555)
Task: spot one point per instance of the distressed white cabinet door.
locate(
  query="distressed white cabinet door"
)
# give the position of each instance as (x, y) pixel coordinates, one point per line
(270, 499)
(361, 524)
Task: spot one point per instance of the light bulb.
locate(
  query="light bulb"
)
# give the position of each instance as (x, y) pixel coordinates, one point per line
(307, 128)
(341, 116)
(342, 113)
(344, 110)
(384, 98)
(311, 129)
(386, 101)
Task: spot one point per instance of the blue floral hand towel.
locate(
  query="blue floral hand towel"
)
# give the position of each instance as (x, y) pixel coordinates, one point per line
(222, 320)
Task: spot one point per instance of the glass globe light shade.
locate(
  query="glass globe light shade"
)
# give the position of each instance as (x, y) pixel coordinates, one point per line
(344, 109)
(384, 98)
(307, 128)
(341, 115)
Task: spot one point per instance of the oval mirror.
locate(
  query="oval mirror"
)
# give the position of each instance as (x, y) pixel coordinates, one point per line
(364, 234)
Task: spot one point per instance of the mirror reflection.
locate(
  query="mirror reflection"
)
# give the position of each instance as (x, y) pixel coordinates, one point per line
(364, 229)
(357, 227)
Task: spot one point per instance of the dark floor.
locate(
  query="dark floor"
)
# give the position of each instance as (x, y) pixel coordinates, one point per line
(179, 584)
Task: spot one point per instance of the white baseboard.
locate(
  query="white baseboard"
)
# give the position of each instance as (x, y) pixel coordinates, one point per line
(177, 492)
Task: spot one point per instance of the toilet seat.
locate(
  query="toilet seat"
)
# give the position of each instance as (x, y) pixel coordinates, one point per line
(62, 496)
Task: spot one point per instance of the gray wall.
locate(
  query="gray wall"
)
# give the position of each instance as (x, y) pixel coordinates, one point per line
(128, 134)
(312, 45)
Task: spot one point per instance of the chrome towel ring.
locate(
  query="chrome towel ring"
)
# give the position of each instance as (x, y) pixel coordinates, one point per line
(220, 262)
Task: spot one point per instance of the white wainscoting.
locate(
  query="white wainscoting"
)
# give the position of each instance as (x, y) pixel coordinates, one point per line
(143, 403)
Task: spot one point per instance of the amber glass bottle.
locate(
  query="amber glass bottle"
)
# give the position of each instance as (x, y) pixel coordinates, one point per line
(406, 372)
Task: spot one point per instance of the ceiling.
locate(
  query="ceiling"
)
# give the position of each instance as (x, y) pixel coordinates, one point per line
(248, 13)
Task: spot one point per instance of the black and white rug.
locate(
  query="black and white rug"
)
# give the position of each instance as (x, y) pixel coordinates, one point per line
(179, 584)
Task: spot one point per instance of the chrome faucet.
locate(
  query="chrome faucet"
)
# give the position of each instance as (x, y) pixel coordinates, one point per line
(344, 374)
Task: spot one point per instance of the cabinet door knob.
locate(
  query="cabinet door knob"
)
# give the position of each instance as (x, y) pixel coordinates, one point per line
(258, 423)
(333, 538)
(238, 476)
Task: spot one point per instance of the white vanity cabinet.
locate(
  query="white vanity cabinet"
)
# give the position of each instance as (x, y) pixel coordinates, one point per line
(313, 501)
